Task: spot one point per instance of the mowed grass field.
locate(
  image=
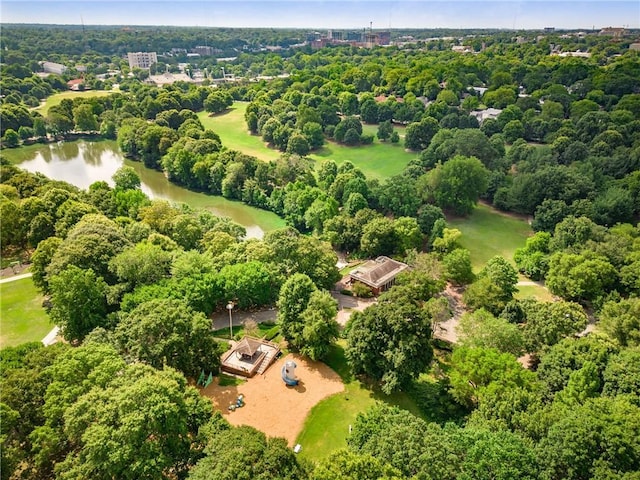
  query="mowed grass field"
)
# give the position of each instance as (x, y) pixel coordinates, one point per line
(43, 109)
(22, 317)
(487, 233)
(327, 426)
(379, 160)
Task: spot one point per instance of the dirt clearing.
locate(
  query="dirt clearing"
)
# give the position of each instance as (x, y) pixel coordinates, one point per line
(271, 406)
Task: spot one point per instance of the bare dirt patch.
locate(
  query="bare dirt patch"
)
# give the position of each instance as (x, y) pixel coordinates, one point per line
(271, 406)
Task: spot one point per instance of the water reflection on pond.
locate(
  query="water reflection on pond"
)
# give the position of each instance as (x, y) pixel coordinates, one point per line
(82, 163)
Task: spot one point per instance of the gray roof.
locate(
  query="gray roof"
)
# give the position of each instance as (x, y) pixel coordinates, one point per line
(378, 272)
(247, 346)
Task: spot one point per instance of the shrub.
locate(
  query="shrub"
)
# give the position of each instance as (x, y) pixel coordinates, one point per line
(361, 290)
(272, 333)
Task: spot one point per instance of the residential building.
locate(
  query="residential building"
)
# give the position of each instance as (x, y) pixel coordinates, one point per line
(76, 84)
(577, 53)
(462, 49)
(482, 115)
(142, 59)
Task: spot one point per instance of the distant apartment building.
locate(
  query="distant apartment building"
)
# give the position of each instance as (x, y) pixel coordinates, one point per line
(51, 67)
(204, 50)
(635, 46)
(142, 59)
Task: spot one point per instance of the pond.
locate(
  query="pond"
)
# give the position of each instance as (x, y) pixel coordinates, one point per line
(82, 163)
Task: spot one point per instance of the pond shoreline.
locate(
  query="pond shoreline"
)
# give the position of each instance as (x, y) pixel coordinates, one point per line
(82, 162)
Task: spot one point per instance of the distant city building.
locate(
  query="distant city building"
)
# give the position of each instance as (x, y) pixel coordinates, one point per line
(142, 60)
(549, 29)
(635, 46)
(51, 67)
(204, 50)
(462, 49)
(577, 53)
(384, 38)
(169, 78)
(615, 32)
(81, 68)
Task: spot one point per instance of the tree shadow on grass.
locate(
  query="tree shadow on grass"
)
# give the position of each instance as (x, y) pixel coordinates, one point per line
(337, 361)
(435, 402)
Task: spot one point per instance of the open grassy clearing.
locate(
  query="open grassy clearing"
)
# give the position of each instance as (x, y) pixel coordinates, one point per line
(379, 160)
(22, 318)
(239, 331)
(233, 132)
(487, 233)
(536, 291)
(55, 99)
(327, 426)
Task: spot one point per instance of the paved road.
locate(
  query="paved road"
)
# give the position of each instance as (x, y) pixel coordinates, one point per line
(16, 277)
(346, 305)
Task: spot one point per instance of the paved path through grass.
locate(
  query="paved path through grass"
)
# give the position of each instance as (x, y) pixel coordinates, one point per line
(16, 277)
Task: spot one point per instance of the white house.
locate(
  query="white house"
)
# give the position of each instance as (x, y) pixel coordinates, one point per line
(482, 115)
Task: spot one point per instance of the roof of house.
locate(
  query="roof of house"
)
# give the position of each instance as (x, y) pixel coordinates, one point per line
(376, 273)
(247, 346)
(169, 78)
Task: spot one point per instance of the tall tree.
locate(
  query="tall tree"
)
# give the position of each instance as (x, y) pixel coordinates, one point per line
(456, 185)
(166, 332)
(79, 302)
(390, 341)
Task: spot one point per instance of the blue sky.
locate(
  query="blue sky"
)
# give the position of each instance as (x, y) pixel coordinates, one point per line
(583, 14)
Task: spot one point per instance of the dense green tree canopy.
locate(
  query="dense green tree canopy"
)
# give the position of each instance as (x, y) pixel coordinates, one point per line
(168, 333)
(389, 341)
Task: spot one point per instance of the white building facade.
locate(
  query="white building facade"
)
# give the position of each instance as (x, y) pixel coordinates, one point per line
(142, 59)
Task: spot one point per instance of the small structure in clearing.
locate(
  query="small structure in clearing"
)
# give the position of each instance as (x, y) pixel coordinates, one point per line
(379, 274)
(250, 356)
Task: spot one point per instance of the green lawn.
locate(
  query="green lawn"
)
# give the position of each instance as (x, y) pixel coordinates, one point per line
(233, 132)
(238, 331)
(327, 426)
(535, 291)
(379, 160)
(43, 109)
(487, 233)
(22, 318)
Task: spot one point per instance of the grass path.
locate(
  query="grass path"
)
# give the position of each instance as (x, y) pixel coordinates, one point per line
(22, 318)
(379, 160)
